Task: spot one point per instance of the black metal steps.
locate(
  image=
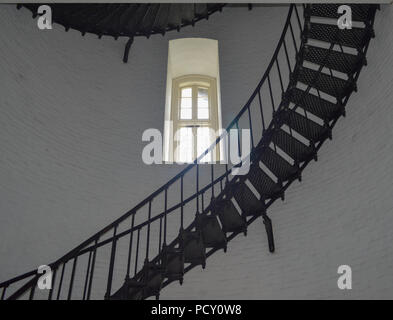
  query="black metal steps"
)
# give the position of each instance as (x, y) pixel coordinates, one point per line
(148, 285)
(319, 107)
(152, 278)
(297, 150)
(131, 19)
(173, 263)
(247, 201)
(306, 127)
(212, 234)
(194, 250)
(281, 168)
(333, 86)
(354, 38)
(360, 12)
(335, 60)
(265, 186)
(131, 290)
(230, 218)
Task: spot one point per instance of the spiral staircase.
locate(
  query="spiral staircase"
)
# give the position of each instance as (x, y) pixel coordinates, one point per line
(313, 72)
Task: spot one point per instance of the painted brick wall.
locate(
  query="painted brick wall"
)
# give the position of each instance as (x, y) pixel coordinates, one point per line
(72, 116)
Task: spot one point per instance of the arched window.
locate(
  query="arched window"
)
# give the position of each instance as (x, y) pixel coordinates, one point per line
(194, 115)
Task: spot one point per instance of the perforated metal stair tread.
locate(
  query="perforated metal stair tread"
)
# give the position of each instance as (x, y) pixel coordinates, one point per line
(336, 60)
(297, 150)
(131, 290)
(193, 247)
(230, 218)
(319, 107)
(247, 201)
(306, 127)
(152, 278)
(173, 263)
(265, 186)
(281, 168)
(212, 234)
(354, 38)
(333, 86)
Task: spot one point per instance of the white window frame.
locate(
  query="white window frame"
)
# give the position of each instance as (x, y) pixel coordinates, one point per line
(195, 81)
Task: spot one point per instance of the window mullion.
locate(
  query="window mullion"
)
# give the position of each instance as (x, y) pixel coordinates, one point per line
(194, 102)
(194, 117)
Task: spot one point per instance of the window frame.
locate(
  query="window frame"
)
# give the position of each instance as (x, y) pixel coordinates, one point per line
(195, 81)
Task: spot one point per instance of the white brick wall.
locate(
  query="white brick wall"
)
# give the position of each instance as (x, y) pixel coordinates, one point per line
(72, 115)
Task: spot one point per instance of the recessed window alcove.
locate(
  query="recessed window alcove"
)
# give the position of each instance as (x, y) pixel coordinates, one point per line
(193, 103)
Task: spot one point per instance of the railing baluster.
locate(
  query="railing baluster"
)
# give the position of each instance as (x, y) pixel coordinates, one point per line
(182, 204)
(111, 264)
(226, 173)
(279, 75)
(130, 246)
(93, 264)
(287, 56)
(271, 93)
(293, 38)
(261, 110)
(32, 291)
(148, 233)
(165, 210)
(250, 122)
(61, 281)
(197, 188)
(72, 278)
(159, 239)
(298, 18)
(53, 284)
(87, 276)
(212, 179)
(3, 293)
(137, 251)
(238, 140)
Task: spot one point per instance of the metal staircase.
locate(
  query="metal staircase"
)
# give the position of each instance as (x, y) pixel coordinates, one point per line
(127, 19)
(312, 74)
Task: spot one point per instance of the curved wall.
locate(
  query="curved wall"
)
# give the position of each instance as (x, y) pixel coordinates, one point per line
(72, 117)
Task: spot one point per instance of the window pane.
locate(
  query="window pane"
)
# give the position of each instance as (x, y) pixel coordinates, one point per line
(186, 104)
(186, 92)
(186, 108)
(204, 141)
(203, 114)
(185, 148)
(203, 103)
(185, 114)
